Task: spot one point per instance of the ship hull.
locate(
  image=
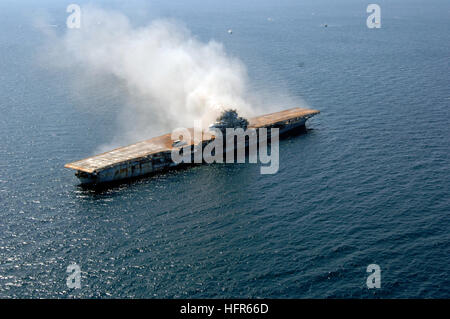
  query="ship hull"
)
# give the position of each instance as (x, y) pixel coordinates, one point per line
(155, 161)
(129, 170)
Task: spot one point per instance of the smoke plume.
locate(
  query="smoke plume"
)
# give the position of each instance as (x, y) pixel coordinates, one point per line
(169, 77)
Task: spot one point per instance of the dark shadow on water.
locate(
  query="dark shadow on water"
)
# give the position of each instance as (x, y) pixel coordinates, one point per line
(295, 132)
(108, 187)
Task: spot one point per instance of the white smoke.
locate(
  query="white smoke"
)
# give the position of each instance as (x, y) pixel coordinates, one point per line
(170, 77)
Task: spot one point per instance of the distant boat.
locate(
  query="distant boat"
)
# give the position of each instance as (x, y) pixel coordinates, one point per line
(230, 31)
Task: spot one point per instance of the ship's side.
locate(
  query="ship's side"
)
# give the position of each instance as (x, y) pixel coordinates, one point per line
(154, 155)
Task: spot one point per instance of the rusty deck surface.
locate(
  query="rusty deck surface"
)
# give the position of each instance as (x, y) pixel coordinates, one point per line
(163, 143)
(269, 119)
(142, 149)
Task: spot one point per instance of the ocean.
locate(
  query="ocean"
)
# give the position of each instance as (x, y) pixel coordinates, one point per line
(368, 183)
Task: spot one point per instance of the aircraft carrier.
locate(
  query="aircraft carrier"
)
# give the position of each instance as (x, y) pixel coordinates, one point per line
(154, 154)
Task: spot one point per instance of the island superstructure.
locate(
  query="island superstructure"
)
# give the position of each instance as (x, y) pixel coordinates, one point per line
(154, 154)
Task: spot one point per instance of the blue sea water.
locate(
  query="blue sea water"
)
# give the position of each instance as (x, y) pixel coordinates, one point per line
(368, 183)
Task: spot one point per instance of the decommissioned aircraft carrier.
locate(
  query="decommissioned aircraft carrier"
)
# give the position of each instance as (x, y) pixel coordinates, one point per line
(154, 154)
